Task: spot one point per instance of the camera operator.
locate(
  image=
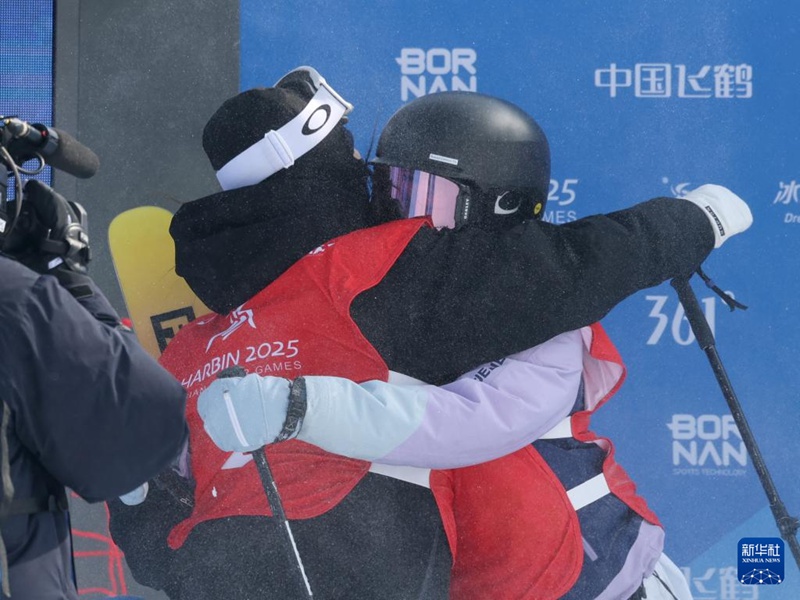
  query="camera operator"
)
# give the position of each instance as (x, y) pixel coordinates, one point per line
(83, 405)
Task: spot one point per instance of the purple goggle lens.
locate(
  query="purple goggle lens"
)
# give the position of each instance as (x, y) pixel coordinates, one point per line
(422, 194)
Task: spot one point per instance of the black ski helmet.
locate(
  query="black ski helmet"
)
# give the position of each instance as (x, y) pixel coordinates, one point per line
(494, 150)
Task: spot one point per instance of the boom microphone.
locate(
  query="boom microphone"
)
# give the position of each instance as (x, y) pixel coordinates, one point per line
(59, 149)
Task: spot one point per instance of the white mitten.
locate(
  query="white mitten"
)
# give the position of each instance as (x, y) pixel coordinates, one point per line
(137, 496)
(727, 213)
(241, 414)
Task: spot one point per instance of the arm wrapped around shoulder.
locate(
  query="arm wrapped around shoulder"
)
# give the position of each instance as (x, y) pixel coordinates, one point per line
(726, 211)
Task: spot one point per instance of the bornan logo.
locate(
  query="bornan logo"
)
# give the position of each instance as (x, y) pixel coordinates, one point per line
(707, 445)
(425, 72)
(238, 318)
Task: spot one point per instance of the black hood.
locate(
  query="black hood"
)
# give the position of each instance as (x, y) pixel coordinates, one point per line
(232, 244)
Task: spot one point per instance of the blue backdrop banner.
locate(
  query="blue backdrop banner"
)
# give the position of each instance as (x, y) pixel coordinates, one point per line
(26, 64)
(638, 99)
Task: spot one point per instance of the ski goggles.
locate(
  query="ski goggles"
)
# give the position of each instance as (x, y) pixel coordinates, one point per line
(421, 194)
(278, 149)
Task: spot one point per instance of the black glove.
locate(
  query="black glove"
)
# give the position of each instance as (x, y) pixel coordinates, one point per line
(50, 237)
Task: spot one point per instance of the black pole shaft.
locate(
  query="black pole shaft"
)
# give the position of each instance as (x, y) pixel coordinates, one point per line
(787, 525)
(275, 504)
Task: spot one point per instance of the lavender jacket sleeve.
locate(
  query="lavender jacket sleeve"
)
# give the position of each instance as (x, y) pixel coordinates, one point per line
(487, 413)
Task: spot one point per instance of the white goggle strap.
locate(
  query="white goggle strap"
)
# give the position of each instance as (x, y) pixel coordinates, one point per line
(279, 149)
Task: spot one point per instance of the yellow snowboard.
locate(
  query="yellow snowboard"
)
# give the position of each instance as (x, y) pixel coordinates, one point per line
(159, 302)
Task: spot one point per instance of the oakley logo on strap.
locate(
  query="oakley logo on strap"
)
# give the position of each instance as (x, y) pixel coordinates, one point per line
(309, 128)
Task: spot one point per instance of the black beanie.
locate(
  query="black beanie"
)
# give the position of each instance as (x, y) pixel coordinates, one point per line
(243, 120)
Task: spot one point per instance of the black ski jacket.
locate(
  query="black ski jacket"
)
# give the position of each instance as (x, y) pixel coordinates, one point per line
(84, 407)
(455, 298)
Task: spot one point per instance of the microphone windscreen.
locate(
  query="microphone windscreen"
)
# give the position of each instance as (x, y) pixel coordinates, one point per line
(73, 157)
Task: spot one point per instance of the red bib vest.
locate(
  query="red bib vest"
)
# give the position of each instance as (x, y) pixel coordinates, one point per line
(298, 325)
(513, 531)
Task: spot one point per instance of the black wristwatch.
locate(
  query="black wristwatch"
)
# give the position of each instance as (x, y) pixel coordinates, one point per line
(296, 411)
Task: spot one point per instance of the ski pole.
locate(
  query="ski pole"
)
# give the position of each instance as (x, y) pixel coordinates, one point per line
(787, 524)
(275, 504)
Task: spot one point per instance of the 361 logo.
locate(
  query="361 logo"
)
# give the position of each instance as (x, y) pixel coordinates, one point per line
(433, 70)
(669, 313)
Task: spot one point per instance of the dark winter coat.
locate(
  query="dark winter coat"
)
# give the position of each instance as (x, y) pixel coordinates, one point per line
(86, 408)
(453, 300)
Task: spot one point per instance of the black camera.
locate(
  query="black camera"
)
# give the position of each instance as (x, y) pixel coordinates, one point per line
(38, 226)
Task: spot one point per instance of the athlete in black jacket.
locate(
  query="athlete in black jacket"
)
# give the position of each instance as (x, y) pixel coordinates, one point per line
(84, 406)
(454, 299)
